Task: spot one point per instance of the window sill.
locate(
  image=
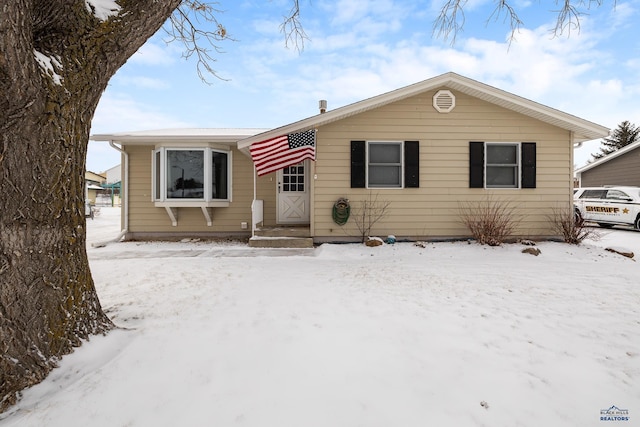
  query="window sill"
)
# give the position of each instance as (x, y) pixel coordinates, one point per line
(192, 204)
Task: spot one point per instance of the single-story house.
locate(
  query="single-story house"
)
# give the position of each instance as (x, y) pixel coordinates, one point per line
(423, 152)
(620, 168)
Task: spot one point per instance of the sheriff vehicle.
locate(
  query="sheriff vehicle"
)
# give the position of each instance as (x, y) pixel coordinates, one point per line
(609, 206)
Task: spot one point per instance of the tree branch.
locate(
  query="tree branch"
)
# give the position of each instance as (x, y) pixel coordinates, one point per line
(568, 19)
(292, 29)
(450, 21)
(451, 18)
(514, 20)
(187, 25)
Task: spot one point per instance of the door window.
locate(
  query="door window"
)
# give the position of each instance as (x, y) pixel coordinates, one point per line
(293, 178)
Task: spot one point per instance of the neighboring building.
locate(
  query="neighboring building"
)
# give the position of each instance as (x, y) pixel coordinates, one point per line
(620, 168)
(427, 149)
(93, 185)
(114, 174)
(111, 188)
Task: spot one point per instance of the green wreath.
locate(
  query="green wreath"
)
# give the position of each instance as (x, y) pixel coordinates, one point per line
(341, 211)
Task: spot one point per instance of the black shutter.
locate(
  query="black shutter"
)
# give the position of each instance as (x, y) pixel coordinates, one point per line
(528, 178)
(411, 164)
(358, 164)
(476, 165)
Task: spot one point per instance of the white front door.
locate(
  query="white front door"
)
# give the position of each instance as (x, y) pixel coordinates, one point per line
(293, 194)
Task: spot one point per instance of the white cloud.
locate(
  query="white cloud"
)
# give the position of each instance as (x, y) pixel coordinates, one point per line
(624, 14)
(101, 156)
(143, 82)
(152, 53)
(350, 12)
(119, 112)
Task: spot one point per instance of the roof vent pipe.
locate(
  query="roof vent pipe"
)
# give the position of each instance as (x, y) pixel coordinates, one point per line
(323, 106)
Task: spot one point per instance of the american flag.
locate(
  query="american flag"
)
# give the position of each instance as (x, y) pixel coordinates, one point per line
(282, 151)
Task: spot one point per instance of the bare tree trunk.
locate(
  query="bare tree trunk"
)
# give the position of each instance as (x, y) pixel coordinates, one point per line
(48, 302)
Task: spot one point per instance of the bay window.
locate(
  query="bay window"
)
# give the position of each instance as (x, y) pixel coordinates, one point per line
(191, 175)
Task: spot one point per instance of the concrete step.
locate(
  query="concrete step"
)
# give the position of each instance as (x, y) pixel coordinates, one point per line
(284, 231)
(280, 242)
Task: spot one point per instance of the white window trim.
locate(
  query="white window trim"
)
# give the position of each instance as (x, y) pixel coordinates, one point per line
(401, 144)
(207, 201)
(518, 166)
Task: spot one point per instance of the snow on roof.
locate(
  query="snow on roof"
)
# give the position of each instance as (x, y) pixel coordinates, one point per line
(185, 134)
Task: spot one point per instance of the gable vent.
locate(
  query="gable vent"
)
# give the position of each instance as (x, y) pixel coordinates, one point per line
(444, 101)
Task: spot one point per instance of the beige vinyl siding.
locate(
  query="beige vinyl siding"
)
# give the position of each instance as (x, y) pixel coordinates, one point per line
(622, 170)
(147, 219)
(432, 210)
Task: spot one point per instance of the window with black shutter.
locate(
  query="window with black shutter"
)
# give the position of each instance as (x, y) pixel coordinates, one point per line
(502, 165)
(528, 165)
(358, 166)
(411, 164)
(476, 164)
(385, 164)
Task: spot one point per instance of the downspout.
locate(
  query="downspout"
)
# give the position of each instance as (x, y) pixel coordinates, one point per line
(125, 200)
(573, 172)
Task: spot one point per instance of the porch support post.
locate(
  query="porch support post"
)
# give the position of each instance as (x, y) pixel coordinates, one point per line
(255, 196)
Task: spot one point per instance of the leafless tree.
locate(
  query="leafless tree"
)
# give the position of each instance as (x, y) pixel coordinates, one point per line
(490, 221)
(367, 212)
(572, 227)
(568, 13)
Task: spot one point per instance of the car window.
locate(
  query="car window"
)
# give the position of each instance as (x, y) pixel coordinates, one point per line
(593, 194)
(617, 195)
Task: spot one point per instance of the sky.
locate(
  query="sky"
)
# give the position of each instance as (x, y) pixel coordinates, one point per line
(357, 49)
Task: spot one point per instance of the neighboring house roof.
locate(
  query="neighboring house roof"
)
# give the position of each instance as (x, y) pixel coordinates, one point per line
(582, 130)
(608, 157)
(95, 177)
(222, 135)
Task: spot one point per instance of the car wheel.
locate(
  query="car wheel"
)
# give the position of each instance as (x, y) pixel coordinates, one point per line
(637, 223)
(605, 225)
(576, 216)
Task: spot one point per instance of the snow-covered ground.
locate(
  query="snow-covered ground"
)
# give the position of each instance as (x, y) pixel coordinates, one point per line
(450, 334)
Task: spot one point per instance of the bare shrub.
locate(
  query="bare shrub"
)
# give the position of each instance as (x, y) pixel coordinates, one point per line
(571, 227)
(368, 212)
(490, 221)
